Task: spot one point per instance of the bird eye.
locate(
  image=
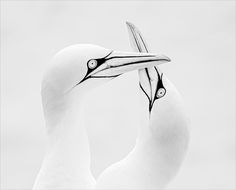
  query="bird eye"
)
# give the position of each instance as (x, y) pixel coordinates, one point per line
(161, 92)
(92, 64)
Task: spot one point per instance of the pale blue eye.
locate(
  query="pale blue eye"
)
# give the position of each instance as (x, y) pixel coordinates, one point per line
(92, 64)
(161, 92)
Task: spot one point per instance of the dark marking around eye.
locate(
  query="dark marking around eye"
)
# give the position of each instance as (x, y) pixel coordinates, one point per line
(160, 87)
(100, 61)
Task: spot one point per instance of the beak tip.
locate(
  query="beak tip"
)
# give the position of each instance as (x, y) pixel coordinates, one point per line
(167, 59)
(129, 24)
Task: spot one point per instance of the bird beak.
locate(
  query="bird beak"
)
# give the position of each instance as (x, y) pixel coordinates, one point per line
(150, 80)
(117, 63)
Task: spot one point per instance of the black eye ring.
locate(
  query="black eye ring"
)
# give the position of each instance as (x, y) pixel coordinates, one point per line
(92, 64)
(161, 92)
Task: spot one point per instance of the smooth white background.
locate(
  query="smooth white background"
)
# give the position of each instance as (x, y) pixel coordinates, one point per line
(199, 37)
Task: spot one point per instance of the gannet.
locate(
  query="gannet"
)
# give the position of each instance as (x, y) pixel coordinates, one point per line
(72, 73)
(163, 135)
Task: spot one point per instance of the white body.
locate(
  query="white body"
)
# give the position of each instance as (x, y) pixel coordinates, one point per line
(72, 73)
(163, 138)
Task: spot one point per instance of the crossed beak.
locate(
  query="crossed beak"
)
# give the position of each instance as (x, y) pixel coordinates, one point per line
(117, 63)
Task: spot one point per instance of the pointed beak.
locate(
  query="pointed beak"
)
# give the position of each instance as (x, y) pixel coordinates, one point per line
(117, 63)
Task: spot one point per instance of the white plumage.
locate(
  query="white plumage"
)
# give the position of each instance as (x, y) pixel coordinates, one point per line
(163, 136)
(72, 73)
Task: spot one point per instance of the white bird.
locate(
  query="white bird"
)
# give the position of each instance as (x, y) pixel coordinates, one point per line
(163, 136)
(74, 71)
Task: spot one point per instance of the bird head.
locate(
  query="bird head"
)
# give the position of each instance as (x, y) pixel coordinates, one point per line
(79, 68)
(160, 93)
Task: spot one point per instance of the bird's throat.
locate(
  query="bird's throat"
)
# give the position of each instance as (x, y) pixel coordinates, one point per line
(68, 158)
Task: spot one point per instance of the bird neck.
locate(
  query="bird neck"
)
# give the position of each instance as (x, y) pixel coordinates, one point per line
(163, 138)
(69, 138)
(67, 161)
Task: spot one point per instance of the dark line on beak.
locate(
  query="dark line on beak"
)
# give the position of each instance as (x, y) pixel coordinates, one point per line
(105, 76)
(145, 93)
(146, 70)
(129, 56)
(136, 40)
(143, 41)
(107, 55)
(95, 77)
(131, 63)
